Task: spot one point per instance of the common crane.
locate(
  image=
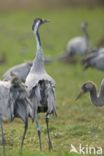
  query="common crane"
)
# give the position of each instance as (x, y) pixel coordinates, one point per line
(40, 85)
(14, 102)
(77, 45)
(22, 70)
(96, 99)
(94, 60)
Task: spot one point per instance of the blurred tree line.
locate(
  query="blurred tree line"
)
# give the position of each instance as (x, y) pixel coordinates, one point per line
(28, 4)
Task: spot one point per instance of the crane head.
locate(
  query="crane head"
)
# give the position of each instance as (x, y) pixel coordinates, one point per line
(84, 25)
(37, 22)
(86, 87)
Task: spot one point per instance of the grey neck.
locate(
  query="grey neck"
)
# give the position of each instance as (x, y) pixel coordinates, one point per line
(96, 99)
(86, 35)
(38, 42)
(38, 63)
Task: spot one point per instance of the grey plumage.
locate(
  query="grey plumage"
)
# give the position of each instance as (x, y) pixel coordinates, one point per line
(41, 86)
(77, 45)
(43, 93)
(14, 103)
(96, 98)
(94, 60)
(22, 70)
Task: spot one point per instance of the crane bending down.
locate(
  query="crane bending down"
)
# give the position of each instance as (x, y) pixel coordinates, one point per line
(40, 85)
(96, 99)
(14, 103)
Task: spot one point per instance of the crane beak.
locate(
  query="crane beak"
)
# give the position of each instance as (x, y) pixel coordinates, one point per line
(45, 21)
(80, 94)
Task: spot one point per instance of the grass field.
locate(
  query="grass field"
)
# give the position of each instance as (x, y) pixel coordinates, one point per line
(77, 122)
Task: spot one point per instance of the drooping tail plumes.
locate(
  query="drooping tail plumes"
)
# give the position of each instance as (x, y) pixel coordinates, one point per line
(88, 60)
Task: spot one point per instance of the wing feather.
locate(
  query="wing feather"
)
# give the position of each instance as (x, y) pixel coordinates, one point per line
(51, 99)
(35, 98)
(5, 107)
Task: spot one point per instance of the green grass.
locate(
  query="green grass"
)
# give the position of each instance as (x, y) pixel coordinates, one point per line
(77, 122)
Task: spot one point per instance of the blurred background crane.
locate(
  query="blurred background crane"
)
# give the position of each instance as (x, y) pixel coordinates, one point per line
(77, 46)
(94, 60)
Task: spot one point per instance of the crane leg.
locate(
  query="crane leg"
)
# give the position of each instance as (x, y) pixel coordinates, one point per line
(39, 132)
(49, 139)
(24, 134)
(3, 138)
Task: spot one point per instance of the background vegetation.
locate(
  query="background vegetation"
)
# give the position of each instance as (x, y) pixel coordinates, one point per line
(77, 122)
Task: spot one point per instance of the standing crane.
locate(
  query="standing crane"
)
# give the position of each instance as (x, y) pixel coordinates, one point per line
(41, 86)
(77, 45)
(96, 99)
(14, 103)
